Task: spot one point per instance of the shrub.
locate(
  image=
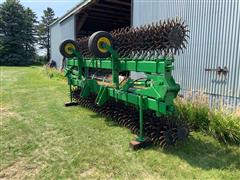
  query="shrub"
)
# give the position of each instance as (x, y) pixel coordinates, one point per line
(217, 121)
(194, 110)
(224, 126)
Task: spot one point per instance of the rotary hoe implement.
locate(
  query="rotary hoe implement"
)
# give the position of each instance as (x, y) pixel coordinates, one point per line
(99, 68)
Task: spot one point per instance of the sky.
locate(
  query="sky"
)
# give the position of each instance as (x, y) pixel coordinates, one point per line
(60, 7)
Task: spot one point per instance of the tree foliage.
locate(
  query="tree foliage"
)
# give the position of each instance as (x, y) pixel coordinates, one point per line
(44, 30)
(17, 29)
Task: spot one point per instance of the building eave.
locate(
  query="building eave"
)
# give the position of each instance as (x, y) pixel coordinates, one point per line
(73, 11)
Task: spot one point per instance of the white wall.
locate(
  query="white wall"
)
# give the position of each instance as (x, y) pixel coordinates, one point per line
(60, 32)
(55, 41)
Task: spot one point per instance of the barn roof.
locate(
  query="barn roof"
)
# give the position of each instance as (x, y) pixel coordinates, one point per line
(76, 9)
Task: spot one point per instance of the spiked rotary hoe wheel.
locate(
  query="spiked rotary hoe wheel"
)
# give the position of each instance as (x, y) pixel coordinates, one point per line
(148, 41)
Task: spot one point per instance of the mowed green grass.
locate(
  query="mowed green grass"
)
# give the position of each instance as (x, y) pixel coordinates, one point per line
(42, 139)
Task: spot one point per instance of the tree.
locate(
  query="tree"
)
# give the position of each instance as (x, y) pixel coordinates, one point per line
(17, 34)
(44, 30)
(30, 34)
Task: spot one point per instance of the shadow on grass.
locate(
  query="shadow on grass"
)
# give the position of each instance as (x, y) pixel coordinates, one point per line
(198, 151)
(206, 154)
(108, 121)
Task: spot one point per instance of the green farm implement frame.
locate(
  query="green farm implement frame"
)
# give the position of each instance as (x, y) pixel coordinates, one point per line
(155, 92)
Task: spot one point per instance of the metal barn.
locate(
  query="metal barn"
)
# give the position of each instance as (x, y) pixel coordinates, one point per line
(210, 63)
(86, 18)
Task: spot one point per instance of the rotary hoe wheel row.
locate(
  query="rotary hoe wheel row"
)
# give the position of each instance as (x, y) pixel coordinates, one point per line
(99, 72)
(164, 131)
(148, 41)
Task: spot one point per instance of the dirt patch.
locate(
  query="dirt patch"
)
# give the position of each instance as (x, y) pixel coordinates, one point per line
(6, 115)
(4, 112)
(88, 172)
(20, 170)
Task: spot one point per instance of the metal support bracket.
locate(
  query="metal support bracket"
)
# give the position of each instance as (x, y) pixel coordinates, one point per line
(141, 137)
(115, 65)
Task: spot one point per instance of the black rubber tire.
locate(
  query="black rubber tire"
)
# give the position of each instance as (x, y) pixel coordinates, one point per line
(92, 43)
(62, 48)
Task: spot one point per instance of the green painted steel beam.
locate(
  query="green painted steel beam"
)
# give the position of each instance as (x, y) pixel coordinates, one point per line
(131, 98)
(150, 66)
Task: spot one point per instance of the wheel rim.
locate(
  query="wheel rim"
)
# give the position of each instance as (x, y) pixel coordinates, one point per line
(100, 42)
(69, 48)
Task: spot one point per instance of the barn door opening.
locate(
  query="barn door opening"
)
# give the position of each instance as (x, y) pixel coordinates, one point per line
(103, 15)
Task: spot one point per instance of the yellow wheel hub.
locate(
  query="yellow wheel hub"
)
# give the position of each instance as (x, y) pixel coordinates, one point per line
(100, 43)
(69, 47)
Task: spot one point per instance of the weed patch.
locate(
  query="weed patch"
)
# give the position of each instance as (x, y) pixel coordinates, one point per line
(54, 73)
(217, 121)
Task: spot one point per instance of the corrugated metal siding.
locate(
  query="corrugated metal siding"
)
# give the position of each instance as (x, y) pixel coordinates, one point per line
(59, 33)
(68, 28)
(55, 41)
(214, 41)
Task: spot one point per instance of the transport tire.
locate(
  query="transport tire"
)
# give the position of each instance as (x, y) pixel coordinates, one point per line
(66, 48)
(96, 41)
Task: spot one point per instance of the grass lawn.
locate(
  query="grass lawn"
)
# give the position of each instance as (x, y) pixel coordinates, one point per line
(42, 139)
